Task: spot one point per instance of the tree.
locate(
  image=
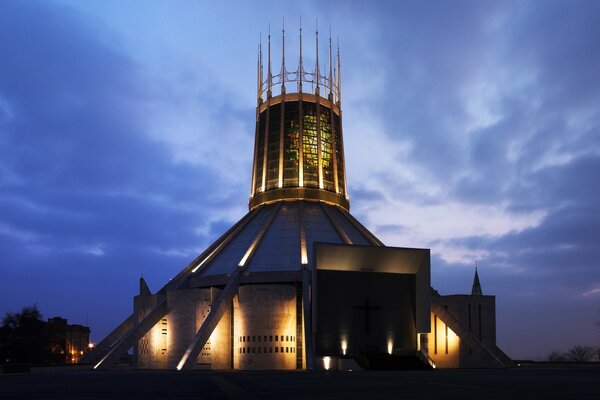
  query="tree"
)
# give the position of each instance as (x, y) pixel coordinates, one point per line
(22, 337)
(580, 353)
(557, 356)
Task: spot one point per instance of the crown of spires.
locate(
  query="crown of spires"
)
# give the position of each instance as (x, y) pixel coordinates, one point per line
(331, 80)
(476, 289)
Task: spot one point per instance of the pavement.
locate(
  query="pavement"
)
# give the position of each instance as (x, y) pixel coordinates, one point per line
(514, 383)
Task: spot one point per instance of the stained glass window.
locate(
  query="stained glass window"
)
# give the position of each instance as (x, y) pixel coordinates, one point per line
(309, 145)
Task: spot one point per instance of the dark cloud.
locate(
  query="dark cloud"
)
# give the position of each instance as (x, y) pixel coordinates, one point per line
(88, 200)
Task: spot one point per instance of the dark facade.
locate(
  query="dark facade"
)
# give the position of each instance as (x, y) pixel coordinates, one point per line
(67, 342)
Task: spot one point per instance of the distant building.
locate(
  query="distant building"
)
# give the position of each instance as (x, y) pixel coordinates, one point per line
(463, 333)
(26, 338)
(298, 282)
(67, 342)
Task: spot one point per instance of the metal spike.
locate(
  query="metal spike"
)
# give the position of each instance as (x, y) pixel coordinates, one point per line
(339, 72)
(330, 67)
(260, 69)
(300, 67)
(283, 72)
(317, 60)
(258, 75)
(269, 75)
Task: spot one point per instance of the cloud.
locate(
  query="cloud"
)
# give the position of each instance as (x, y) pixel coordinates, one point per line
(88, 186)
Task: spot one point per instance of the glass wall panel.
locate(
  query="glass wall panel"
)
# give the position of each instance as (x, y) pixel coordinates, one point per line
(273, 147)
(260, 151)
(291, 144)
(339, 153)
(309, 145)
(326, 149)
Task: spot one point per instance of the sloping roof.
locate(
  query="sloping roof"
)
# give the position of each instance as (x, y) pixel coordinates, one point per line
(278, 228)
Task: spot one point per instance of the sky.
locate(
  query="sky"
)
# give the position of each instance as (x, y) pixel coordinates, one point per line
(470, 127)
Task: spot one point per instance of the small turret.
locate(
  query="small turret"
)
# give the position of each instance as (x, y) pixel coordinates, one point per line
(144, 289)
(476, 290)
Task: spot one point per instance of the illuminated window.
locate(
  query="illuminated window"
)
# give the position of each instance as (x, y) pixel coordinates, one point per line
(309, 145)
(326, 149)
(260, 151)
(291, 137)
(338, 152)
(273, 146)
(435, 335)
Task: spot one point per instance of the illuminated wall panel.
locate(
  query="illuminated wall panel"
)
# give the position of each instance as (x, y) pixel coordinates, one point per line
(444, 344)
(265, 327)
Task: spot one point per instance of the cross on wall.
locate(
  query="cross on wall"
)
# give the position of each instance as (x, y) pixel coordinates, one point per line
(367, 309)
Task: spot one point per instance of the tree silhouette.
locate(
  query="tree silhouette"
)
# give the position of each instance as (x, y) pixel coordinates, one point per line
(22, 337)
(580, 353)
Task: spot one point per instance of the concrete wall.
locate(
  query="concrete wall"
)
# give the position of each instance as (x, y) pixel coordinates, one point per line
(152, 349)
(476, 314)
(163, 346)
(265, 327)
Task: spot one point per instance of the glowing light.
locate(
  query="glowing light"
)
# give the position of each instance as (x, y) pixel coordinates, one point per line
(248, 252)
(203, 261)
(303, 252)
(304, 256)
(90, 345)
(327, 363)
(344, 346)
(390, 346)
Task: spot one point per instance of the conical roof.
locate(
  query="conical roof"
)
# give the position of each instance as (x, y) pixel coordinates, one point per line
(476, 290)
(280, 237)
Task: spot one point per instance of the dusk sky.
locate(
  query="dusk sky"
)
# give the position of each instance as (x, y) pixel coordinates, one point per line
(471, 128)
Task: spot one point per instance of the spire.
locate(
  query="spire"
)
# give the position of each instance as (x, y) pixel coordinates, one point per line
(300, 67)
(269, 75)
(262, 77)
(283, 56)
(476, 290)
(317, 58)
(330, 68)
(339, 73)
(144, 289)
(259, 72)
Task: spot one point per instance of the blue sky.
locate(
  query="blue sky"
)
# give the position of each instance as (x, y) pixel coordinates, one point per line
(471, 128)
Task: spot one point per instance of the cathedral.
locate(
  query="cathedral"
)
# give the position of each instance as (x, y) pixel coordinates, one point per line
(298, 283)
